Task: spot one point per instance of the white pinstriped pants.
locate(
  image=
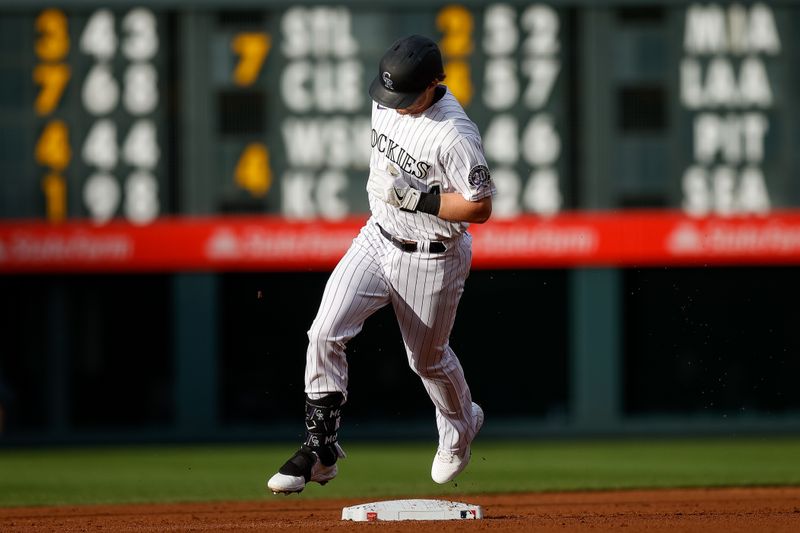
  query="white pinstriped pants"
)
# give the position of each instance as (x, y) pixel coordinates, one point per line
(424, 290)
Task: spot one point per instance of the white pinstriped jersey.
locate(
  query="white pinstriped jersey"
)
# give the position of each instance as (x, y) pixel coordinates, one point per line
(438, 149)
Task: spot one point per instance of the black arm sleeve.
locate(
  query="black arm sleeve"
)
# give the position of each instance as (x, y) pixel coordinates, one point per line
(429, 203)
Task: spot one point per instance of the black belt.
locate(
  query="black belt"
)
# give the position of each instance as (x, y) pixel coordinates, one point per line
(434, 247)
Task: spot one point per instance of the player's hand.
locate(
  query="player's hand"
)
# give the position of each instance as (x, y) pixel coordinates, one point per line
(403, 196)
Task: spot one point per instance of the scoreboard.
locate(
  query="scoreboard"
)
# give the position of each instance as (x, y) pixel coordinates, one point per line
(141, 112)
(733, 95)
(93, 125)
(290, 118)
(84, 114)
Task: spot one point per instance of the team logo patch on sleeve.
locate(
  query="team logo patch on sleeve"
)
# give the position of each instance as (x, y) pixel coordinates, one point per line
(479, 177)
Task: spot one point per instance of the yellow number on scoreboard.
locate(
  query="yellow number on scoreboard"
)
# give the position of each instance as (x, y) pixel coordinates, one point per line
(456, 23)
(53, 79)
(52, 148)
(252, 171)
(55, 193)
(458, 80)
(53, 44)
(252, 49)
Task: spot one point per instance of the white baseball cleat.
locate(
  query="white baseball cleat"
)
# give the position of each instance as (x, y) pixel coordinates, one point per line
(306, 467)
(446, 465)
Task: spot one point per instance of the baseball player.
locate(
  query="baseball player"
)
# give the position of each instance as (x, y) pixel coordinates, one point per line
(428, 180)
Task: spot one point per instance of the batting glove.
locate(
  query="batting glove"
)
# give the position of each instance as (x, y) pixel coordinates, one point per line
(404, 197)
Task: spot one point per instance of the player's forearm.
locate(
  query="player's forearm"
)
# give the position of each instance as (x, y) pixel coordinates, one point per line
(455, 208)
(449, 206)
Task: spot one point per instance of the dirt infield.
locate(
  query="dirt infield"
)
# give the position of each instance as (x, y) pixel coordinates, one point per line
(708, 510)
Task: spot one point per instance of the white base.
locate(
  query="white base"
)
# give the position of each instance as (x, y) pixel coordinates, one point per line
(412, 510)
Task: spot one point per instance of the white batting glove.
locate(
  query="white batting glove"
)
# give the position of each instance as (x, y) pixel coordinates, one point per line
(380, 181)
(402, 196)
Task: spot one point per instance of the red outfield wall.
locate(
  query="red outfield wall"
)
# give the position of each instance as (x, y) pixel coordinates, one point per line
(604, 238)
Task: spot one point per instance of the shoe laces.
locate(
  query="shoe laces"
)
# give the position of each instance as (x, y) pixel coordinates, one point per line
(445, 456)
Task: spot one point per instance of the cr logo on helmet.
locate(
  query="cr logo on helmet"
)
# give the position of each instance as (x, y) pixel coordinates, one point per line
(387, 80)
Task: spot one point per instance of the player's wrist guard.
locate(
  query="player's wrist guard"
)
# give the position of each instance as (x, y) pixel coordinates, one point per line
(429, 203)
(412, 200)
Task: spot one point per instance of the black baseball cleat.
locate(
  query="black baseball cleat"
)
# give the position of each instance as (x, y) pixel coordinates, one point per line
(305, 466)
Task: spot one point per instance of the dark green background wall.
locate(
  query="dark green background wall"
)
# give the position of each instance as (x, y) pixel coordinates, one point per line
(548, 352)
